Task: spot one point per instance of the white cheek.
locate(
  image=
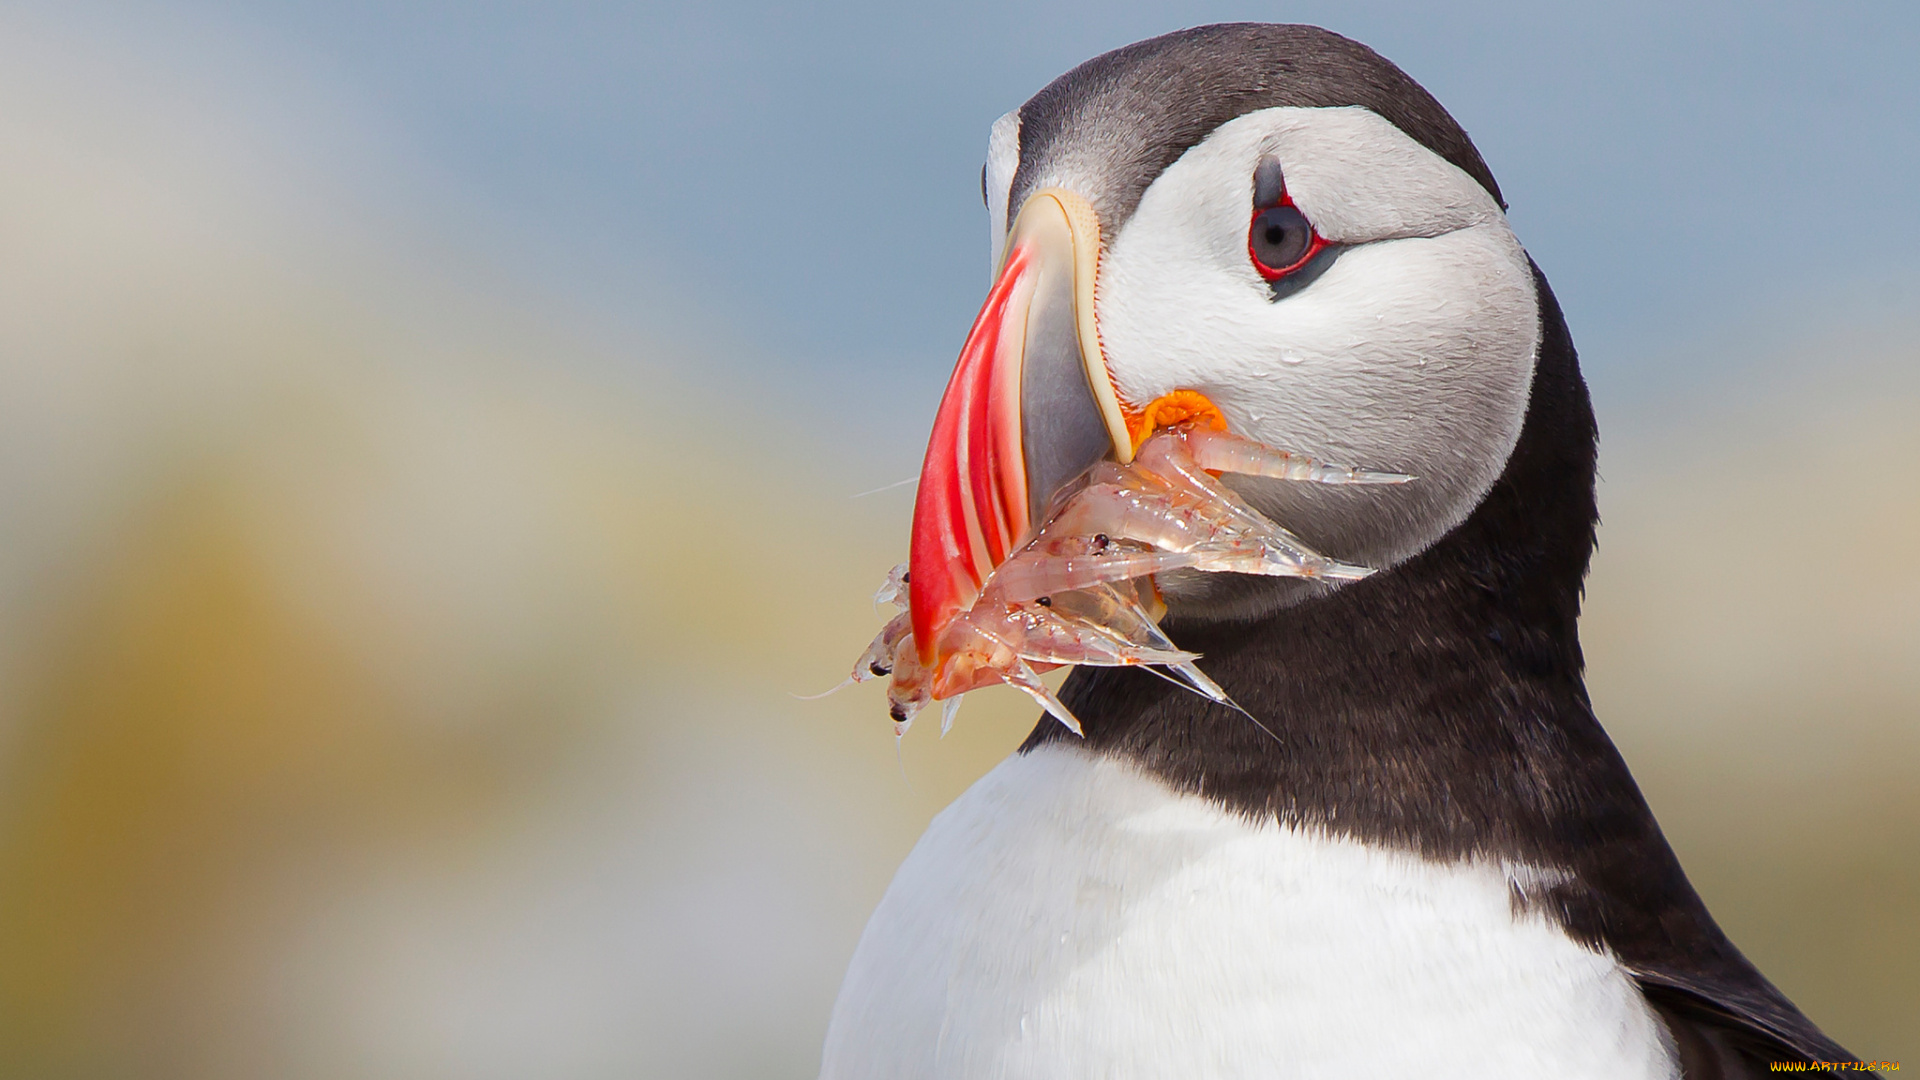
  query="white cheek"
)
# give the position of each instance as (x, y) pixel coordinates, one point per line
(1430, 332)
(1399, 351)
(1413, 350)
(1414, 355)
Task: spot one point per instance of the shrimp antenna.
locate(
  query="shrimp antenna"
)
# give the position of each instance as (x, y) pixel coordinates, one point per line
(900, 759)
(1236, 707)
(1188, 671)
(886, 487)
(842, 685)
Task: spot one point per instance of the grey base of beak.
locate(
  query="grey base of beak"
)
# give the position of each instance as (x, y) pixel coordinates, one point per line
(1062, 430)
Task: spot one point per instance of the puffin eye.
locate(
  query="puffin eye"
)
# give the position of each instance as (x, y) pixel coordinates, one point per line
(1281, 240)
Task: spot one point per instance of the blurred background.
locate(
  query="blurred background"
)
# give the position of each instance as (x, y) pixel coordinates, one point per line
(428, 441)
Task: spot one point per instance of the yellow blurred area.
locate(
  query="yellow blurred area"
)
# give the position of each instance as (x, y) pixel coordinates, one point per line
(384, 694)
(383, 697)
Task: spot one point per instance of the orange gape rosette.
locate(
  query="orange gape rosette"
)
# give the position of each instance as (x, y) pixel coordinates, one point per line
(1079, 589)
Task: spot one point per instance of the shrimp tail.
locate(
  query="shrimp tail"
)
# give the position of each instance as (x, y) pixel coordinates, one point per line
(1221, 451)
(1196, 680)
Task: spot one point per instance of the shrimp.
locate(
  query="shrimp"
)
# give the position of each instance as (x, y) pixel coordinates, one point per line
(1031, 575)
(909, 690)
(1219, 451)
(1168, 519)
(1170, 503)
(1039, 633)
(894, 591)
(1082, 589)
(877, 661)
(978, 660)
(1285, 554)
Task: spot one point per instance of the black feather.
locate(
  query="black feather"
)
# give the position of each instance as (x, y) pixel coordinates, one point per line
(1118, 120)
(1440, 708)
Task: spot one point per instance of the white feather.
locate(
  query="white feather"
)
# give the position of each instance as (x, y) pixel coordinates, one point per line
(1003, 160)
(1069, 917)
(1412, 352)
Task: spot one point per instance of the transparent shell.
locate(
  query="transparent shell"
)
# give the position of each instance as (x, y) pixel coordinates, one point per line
(1081, 590)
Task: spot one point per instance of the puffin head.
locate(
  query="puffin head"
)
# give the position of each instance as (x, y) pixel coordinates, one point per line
(1268, 228)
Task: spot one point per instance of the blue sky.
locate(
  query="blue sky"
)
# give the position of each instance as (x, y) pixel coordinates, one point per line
(796, 186)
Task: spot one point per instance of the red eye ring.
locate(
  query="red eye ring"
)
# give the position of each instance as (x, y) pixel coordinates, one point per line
(1280, 233)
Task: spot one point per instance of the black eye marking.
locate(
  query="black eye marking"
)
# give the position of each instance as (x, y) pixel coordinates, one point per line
(1307, 274)
(1280, 239)
(983, 186)
(1269, 182)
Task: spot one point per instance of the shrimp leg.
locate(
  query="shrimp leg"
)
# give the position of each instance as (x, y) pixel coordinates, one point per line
(1122, 615)
(1023, 679)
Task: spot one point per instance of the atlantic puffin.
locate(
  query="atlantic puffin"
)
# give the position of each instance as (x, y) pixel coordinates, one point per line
(1426, 859)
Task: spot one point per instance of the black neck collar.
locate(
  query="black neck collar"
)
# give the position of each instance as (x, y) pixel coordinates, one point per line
(1437, 707)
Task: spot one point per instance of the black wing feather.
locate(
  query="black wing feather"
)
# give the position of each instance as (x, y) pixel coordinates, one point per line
(1734, 1030)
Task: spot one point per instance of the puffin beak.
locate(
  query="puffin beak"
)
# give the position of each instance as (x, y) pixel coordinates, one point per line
(1029, 408)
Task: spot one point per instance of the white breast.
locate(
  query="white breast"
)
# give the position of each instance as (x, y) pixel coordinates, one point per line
(1070, 917)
